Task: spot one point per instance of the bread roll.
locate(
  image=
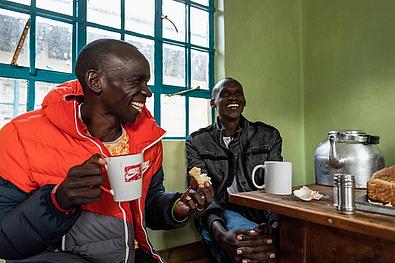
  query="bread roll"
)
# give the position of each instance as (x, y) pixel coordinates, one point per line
(198, 178)
(381, 187)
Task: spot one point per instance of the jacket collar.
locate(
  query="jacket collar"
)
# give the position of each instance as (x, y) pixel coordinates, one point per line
(61, 108)
(218, 130)
(218, 127)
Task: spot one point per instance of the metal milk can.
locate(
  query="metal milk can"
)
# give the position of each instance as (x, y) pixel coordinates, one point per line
(348, 152)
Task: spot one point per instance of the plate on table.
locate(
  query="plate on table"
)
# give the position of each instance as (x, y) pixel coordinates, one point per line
(362, 203)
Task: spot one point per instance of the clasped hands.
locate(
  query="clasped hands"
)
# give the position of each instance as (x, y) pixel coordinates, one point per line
(248, 245)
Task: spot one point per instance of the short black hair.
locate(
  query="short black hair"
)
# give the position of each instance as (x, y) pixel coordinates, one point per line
(94, 54)
(217, 87)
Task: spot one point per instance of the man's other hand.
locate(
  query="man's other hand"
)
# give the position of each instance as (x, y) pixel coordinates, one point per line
(82, 184)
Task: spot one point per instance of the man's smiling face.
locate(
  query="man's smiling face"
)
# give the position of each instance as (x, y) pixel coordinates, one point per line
(229, 100)
(125, 86)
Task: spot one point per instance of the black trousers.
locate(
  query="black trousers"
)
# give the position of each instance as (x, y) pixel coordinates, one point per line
(51, 257)
(143, 257)
(64, 257)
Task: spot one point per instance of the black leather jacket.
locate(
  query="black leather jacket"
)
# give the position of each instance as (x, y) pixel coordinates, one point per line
(255, 143)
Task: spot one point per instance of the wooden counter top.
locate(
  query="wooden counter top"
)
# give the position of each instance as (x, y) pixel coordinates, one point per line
(320, 212)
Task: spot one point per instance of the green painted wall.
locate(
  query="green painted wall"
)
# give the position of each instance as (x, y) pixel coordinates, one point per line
(349, 71)
(263, 49)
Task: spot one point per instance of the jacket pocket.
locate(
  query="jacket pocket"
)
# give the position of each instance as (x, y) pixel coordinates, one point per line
(217, 166)
(256, 156)
(258, 150)
(213, 157)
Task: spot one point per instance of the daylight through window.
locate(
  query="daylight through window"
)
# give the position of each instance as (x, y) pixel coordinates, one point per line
(175, 36)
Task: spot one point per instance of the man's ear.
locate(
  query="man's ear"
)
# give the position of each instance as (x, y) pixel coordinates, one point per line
(212, 104)
(93, 81)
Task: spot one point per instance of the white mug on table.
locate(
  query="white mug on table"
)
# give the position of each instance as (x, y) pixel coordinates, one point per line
(125, 176)
(277, 176)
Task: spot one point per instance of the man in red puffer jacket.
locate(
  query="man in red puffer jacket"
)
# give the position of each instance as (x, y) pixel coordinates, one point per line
(52, 168)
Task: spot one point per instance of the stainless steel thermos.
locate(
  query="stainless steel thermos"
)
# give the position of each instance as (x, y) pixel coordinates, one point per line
(344, 193)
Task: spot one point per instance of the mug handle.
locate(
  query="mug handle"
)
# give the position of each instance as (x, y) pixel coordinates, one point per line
(253, 176)
(110, 191)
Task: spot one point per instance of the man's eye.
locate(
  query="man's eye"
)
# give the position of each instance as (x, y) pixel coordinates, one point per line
(142, 80)
(135, 82)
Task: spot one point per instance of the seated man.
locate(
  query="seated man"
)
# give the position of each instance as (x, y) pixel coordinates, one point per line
(228, 151)
(52, 168)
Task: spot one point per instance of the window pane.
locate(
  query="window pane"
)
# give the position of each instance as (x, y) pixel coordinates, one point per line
(140, 16)
(145, 46)
(199, 27)
(173, 65)
(13, 94)
(173, 115)
(11, 27)
(60, 6)
(199, 69)
(202, 2)
(54, 45)
(149, 103)
(105, 12)
(175, 11)
(199, 113)
(25, 2)
(95, 33)
(40, 91)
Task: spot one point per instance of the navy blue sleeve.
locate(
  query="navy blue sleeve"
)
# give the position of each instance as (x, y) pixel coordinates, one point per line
(29, 222)
(159, 204)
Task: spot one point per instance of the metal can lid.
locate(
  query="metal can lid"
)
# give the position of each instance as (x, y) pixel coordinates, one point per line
(353, 136)
(343, 178)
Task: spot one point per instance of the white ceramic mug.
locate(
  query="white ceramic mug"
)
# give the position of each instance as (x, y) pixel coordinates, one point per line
(278, 177)
(125, 176)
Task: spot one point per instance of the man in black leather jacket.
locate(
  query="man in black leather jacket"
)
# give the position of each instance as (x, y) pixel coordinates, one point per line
(227, 151)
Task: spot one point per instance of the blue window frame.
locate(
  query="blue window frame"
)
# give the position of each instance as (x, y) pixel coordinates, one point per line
(177, 37)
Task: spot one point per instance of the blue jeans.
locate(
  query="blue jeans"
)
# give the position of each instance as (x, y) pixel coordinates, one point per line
(233, 220)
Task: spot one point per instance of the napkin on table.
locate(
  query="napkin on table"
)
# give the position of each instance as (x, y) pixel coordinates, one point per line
(306, 194)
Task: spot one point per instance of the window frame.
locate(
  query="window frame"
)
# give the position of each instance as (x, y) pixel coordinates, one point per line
(79, 23)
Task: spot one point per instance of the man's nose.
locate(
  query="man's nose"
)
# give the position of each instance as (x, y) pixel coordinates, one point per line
(232, 97)
(146, 90)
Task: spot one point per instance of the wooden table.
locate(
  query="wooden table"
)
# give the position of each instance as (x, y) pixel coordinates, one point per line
(315, 232)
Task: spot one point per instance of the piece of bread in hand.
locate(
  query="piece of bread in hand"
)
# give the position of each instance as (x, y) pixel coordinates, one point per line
(198, 178)
(381, 187)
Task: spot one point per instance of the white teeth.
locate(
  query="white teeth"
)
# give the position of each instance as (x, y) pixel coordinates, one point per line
(233, 105)
(138, 105)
